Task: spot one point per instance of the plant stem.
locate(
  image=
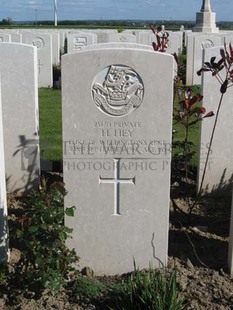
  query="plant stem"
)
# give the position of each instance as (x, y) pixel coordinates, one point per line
(186, 147)
(208, 154)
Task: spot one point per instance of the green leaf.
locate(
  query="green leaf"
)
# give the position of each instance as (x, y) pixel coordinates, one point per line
(43, 226)
(47, 217)
(19, 233)
(33, 229)
(62, 236)
(68, 230)
(39, 261)
(69, 211)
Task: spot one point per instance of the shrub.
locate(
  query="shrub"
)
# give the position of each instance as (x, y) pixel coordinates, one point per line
(57, 76)
(45, 258)
(182, 66)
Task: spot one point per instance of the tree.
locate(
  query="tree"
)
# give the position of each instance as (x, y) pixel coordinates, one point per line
(7, 21)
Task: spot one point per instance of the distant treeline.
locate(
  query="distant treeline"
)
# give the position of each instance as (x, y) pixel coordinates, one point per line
(171, 24)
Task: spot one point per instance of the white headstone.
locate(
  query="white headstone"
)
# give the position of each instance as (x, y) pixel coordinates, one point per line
(145, 37)
(3, 201)
(190, 55)
(196, 44)
(78, 40)
(226, 38)
(219, 174)
(180, 39)
(117, 135)
(186, 33)
(20, 115)
(4, 37)
(200, 43)
(12, 36)
(43, 43)
(16, 37)
(182, 28)
(173, 45)
(62, 35)
(102, 35)
(122, 37)
(116, 45)
(55, 48)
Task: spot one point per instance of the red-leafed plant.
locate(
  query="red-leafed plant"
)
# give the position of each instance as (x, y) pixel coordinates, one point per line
(188, 114)
(162, 39)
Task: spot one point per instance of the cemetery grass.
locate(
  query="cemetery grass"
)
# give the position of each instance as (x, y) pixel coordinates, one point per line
(50, 130)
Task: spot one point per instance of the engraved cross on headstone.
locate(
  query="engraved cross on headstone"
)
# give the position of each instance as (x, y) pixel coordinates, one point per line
(39, 66)
(117, 181)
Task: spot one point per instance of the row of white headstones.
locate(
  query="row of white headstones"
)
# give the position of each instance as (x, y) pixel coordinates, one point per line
(107, 146)
(50, 44)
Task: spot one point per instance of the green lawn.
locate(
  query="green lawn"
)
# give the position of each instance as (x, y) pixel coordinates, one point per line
(50, 130)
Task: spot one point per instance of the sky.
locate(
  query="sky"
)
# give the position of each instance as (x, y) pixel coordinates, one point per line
(25, 10)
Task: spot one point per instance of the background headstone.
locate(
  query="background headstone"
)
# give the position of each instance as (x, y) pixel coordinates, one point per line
(116, 45)
(19, 89)
(43, 43)
(219, 174)
(195, 45)
(117, 135)
(55, 48)
(173, 45)
(200, 43)
(16, 37)
(102, 35)
(76, 41)
(226, 38)
(4, 37)
(122, 37)
(145, 37)
(190, 55)
(180, 39)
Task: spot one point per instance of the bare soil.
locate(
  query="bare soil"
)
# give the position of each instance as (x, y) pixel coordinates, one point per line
(198, 246)
(198, 249)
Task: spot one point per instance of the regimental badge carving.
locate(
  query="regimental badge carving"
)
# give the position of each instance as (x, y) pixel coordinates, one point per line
(207, 43)
(79, 42)
(38, 42)
(117, 90)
